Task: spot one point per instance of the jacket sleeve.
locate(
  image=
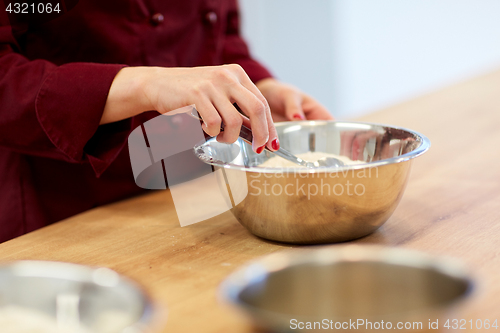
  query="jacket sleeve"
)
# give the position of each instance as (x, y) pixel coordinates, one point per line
(236, 50)
(54, 111)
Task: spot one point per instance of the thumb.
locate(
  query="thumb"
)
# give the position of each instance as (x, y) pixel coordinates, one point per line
(293, 106)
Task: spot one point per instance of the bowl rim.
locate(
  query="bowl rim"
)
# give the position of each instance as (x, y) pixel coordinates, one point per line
(257, 270)
(425, 144)
(61, 270)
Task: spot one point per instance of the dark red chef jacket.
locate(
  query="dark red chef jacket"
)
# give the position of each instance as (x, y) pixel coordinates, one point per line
(55, 159)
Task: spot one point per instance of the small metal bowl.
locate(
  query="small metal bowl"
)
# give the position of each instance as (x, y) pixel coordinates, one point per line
(321, 205)
(347, 287)
(63, 297)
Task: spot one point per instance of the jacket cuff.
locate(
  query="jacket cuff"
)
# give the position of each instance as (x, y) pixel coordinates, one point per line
(69, 107)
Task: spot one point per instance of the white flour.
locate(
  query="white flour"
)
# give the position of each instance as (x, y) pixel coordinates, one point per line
(17, 319)
(278, 162)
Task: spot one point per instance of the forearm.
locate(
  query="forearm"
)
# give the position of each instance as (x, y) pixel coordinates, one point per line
(127, 95)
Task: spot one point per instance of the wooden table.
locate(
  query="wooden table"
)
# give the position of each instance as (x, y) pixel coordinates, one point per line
(451, 207)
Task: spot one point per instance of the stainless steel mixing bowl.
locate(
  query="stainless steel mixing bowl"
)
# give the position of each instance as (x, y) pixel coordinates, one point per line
(70, 298)
(342, 288)
(299, 205)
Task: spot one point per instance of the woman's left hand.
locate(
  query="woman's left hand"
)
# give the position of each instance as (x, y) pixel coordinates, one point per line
(289, 103)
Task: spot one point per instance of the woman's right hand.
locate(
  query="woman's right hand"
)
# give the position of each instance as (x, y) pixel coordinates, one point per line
(213, 90)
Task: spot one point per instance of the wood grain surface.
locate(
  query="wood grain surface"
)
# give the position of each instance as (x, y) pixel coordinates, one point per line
(451, 207)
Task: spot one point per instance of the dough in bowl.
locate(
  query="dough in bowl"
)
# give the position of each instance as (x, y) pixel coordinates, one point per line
(310, 156)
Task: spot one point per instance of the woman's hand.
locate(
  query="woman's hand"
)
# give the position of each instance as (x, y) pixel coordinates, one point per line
(289, 103)
(213, 90)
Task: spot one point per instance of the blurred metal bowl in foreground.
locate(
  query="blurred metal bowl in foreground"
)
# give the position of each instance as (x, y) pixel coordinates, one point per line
(360, 288)
(299, 205)
(43, 296)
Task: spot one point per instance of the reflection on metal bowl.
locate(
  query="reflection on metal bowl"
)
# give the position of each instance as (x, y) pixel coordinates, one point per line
(299, 205)
(370, 288)
(46, 296)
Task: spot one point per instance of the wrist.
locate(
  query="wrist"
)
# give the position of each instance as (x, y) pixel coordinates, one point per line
(127, 95)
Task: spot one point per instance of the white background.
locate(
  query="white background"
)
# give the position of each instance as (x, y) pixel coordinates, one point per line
(357, 56)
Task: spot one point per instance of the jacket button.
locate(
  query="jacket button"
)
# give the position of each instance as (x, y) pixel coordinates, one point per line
(157, 19)
(211, 17)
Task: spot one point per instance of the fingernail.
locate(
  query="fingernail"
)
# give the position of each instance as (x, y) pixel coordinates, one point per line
(260, 149)
(298, 116)
(275, 144)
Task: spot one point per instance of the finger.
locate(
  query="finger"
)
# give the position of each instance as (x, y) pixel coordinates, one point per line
(246, 121)
(278, 117)
(272, 141)
(256, 112)
(293, 105)
(313, 110)
(211, 119)
(246, 82)
(231, 118)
